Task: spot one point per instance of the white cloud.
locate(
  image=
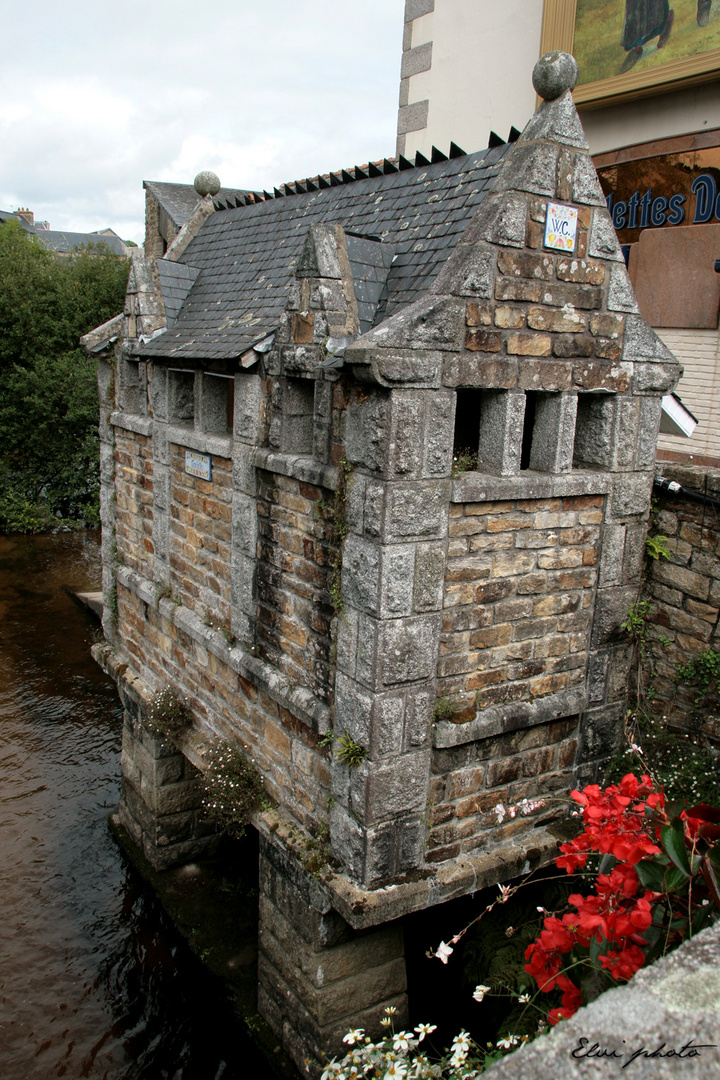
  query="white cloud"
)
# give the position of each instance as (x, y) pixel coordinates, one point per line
(102, 96)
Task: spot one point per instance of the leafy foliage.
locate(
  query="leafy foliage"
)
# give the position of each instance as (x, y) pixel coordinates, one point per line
(704, 672)
(677, 764)
(48, 391)
(656, 885)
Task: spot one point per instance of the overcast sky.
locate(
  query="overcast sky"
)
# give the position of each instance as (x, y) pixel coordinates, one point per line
(97, 96)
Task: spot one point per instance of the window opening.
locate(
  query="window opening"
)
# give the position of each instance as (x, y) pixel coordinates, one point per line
(182, 397)
(216, 403)
(466, 439)
(528, 425)
(593, 431)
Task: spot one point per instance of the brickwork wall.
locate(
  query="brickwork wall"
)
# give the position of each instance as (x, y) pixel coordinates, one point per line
(201, 537)
(518, 599)
(469, 781)
(296, 557)
(134, 500)
(286, 751)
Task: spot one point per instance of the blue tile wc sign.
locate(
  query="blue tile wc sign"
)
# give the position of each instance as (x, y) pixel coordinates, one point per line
(197, 464)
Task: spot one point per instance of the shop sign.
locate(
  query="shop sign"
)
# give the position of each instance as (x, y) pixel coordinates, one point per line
(648, 211)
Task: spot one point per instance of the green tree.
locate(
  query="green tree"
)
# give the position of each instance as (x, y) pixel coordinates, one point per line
(48, 390)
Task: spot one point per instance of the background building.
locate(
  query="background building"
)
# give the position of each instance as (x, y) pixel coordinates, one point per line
(653, 130)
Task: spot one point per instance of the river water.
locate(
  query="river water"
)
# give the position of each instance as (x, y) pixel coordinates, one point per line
(94, 980)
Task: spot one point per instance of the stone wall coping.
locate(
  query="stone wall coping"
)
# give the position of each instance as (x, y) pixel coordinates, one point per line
(141, 425)
(475, 487)
(667, 1005)
(219, 445)
(499, 719)
(701, 479)
(364, 908)
(299, 701)
(297, 466)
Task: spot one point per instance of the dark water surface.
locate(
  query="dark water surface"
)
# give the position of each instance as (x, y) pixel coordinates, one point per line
(94, 980)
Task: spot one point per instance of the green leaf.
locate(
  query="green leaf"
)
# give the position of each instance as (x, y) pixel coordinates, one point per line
(596, 949)
(675, 879)
(651, 874)
(672, 838)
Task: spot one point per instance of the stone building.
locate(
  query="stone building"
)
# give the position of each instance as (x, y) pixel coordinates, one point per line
(377, 456)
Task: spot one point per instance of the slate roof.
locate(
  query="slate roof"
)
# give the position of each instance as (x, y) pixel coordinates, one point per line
(66, 242)
(179, 200)
(247, 255)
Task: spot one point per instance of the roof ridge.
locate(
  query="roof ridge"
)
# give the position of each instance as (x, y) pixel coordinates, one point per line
(381, 167)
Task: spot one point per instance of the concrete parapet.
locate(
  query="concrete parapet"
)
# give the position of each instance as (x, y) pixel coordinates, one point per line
(664, 1023)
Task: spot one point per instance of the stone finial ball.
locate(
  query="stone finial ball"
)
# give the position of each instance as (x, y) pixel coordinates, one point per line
(206, 183)
(554, 73)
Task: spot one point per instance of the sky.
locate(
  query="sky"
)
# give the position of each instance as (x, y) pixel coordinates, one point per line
(97, 96)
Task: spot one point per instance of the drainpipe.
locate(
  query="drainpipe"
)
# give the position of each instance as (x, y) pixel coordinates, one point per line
(670, 487)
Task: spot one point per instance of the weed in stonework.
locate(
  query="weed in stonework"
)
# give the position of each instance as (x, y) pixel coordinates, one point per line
(214, 622)
(703, 671)
(349, 752)
(656, 548)
(163, 592)
(463, 461)
(234, 789)
(316, 862)
(444, 708)
(169, 713)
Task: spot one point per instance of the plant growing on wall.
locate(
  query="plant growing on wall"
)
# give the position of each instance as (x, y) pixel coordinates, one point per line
(169, 713)
(234, 789)
(350, 752)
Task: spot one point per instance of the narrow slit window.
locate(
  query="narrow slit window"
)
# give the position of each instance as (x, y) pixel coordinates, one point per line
(467, 426)
(528, 425)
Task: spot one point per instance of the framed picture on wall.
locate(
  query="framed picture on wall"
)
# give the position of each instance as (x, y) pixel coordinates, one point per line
(631, 48)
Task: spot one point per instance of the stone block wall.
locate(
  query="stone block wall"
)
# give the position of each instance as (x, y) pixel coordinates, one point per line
(470, 780)
(160, 804)
(317, 976)
(172, 646)
(685, 593)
